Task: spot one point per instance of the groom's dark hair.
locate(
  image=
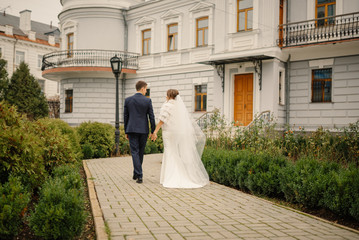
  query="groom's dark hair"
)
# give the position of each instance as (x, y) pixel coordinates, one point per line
(140, 84)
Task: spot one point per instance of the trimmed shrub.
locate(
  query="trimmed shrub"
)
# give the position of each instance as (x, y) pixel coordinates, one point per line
(66, 131)
(13, 205)
(101, 136)
(341, 195)
(70, 176)
(264, 176)
(60, 212)
(57, 148)
(309, 182)
(87, 151)
(21, 150)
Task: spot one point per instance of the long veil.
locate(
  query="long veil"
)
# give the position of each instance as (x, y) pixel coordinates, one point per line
(190, 142)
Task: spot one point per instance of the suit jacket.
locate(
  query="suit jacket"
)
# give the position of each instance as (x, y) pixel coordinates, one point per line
(137, 110)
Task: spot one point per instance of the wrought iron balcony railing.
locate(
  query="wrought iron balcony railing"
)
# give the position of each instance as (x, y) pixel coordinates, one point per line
(87, 58)
(333, 28)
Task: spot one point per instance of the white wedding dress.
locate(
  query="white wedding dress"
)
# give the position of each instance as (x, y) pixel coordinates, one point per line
(183, 141)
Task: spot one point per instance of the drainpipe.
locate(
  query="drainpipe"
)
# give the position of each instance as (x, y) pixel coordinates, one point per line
(14, 55)
(287, 108)
(287, 69)
(125, 43)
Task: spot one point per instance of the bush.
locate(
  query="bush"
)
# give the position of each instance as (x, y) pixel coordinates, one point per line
(21, 151)
(13, 205)
(341, 195)
(309, 182)
(60, 212)
(264, 175)
(101, 136)
(66, 131)
(57, 148)
(87, 151)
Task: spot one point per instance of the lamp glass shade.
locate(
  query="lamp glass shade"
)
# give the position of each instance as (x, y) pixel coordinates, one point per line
(116, 64)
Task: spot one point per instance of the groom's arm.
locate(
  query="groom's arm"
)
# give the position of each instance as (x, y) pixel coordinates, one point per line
(125, 115)
(151, 117)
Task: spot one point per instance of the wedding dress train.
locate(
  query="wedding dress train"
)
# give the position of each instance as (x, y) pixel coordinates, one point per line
(184, 141)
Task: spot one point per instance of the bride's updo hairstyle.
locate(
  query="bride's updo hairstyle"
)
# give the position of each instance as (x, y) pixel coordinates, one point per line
(172, 93)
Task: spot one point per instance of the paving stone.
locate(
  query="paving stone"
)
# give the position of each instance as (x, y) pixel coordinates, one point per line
(150, 211)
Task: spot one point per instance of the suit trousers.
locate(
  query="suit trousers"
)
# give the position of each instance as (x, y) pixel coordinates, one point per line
(137, 145)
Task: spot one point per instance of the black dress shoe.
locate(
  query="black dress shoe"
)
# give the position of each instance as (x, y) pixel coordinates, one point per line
(134, 177)
(139, 180)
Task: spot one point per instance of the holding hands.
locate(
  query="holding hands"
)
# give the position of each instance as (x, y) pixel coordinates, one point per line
(153, 136)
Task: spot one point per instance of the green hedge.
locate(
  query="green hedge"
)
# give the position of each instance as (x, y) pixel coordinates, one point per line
(14, 199)
(98, 141)
(31, 150)
(60, 212)
(311, 183)
(99, 137)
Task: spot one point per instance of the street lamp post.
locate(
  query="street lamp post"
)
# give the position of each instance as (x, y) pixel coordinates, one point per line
(116, 65)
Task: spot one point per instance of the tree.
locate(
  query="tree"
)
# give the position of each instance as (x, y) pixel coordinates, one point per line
(25, 93)
(4, 80)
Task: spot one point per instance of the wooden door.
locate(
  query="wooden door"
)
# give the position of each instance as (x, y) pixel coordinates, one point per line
(243, 99)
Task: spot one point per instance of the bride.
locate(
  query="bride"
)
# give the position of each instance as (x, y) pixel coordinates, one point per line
(183, 145)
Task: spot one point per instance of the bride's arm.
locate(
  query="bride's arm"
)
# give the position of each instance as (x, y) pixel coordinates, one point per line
(154, 134)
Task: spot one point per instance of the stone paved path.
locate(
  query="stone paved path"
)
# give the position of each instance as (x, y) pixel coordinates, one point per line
(149, 211)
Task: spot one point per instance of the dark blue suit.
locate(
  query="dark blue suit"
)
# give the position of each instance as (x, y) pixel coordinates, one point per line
(138, 109)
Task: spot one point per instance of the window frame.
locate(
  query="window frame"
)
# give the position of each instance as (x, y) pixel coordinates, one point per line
(69, 101)
(148, 40)
(196, 94)
(70, 44)
(203, 29)
(323, 86)
(173, 35)
(281, 87)
(245, 10)
(39, 60)
(325, 5)
(16, 57)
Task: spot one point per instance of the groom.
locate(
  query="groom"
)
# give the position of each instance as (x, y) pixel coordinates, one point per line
(137, 110)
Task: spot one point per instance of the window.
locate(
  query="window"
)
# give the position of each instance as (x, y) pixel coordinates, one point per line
(41, 84)
(70, 44)
(244, 15)
(68, 101)
(281, 88)
(172, 37)
(20, 57)
(202, 32)
(146, 42)
(325, 8)
(148, 93)
(322, 85)
(201, 98)
(39, 61)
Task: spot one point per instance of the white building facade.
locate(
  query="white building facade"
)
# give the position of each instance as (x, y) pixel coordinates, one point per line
(23, 40)
(243, 57)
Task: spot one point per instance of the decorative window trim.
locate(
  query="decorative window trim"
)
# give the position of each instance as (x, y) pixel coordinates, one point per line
(66, 29)
(143, 24)
(170, 17)
(200, 10)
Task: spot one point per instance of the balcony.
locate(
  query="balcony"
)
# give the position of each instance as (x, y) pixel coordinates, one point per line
(319, 30)
(59, 64)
